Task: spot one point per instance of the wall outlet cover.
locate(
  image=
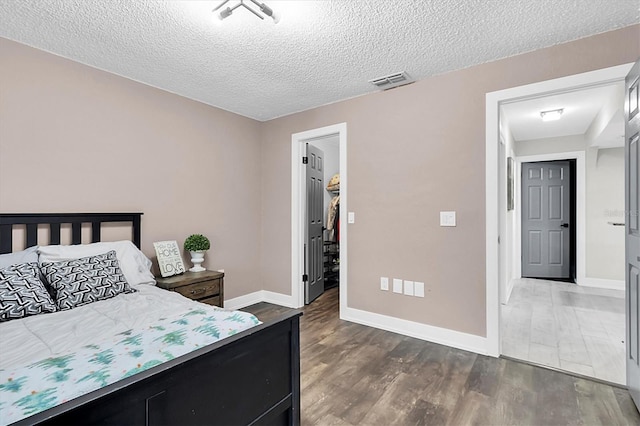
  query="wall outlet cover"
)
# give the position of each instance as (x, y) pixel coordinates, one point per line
(418, 288)
(384, 283)
(397, 286)
(351, 217)
(408, 288)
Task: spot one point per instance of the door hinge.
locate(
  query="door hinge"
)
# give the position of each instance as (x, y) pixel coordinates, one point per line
(305, 160)
(305, 278)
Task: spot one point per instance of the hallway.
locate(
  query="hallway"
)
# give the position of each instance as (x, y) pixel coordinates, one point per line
(566, 326)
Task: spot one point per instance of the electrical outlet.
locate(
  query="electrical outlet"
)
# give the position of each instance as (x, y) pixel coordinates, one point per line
(221, 270)
(384, 283)
(351, 217)
(397, 286)
(408, 288)
(418, 288)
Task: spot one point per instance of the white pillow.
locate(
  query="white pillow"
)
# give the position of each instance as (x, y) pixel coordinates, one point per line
(135, 266)
(29, 255)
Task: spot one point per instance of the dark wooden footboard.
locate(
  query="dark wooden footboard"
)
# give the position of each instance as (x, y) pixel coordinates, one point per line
(252, 378)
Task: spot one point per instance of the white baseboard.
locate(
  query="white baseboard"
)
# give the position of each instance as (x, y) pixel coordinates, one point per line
(244, 301)
(442, 336)
(509, 291)
(602, 283)
(257, 297)
(278, 299)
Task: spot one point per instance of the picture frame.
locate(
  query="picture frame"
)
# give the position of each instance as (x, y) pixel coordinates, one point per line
(169, 258)
(510, 183)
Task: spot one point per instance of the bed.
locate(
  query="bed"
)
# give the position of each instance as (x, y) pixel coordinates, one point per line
(250, 377)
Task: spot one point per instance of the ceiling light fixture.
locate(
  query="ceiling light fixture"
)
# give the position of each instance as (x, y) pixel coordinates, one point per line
(266, 10)
(552, 115)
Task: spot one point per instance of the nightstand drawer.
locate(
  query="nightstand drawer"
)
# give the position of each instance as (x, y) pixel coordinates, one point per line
(206, 286)
(215, 301)
(200, 290)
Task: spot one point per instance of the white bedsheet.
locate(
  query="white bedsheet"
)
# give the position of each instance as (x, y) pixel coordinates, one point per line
(34, 338)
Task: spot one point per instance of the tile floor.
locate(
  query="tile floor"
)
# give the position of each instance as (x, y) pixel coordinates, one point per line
(562, 325)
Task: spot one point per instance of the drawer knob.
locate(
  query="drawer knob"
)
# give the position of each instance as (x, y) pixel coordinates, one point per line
(198, 291)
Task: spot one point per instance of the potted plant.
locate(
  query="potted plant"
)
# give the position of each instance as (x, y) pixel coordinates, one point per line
(196, 245)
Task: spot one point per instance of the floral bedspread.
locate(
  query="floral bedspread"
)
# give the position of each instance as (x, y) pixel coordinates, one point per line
(28, 390)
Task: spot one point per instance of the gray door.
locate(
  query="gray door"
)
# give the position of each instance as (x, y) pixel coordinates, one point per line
(546, 239)
(314, 284)
(632, 228)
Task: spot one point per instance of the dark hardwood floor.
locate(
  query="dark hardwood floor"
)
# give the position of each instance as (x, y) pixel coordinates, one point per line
(357, 375)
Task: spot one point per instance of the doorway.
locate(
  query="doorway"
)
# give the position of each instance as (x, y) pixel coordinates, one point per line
(322, 223)
(298, 209)
(571, 326)
(498, 222)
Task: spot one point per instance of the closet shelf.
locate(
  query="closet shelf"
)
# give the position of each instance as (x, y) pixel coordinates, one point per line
(331, 264)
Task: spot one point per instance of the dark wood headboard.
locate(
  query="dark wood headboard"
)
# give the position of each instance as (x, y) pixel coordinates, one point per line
(54, 220)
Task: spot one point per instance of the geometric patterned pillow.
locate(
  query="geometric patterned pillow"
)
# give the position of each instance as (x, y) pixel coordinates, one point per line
(86, 280)
(22, 293)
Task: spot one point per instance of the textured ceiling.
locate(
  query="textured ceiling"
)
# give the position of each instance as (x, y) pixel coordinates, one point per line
(321, 51)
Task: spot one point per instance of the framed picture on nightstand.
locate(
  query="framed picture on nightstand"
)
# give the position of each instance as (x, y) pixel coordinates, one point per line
(169, 258)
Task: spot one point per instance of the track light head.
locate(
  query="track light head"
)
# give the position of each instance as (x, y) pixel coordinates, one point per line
(269, 12)
(266, 10)
(224, 13)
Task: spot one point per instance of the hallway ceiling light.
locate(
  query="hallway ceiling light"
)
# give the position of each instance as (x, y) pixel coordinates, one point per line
(266, 10)
(552, 115)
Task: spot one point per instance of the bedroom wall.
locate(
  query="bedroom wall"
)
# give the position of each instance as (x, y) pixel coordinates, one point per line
(77, 139)
(427, 155)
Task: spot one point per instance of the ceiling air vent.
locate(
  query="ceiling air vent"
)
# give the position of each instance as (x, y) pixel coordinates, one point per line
(392, 80)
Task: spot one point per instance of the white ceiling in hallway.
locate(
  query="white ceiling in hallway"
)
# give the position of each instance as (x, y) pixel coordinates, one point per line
(580, 108)
(320, 52)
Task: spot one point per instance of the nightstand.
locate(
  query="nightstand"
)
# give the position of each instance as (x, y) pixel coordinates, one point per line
(206, 286)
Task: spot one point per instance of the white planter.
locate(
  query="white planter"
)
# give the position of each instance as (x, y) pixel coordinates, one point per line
(197, 257)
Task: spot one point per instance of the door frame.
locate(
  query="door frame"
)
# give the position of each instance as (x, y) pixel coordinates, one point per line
(298, 209)
(581, 208)
(492, 195)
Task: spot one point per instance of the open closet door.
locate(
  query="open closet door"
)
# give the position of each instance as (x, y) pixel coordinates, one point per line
(632, 262)
(314, 284)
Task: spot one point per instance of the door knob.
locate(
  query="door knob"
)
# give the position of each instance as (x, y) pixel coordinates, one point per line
(565, 225)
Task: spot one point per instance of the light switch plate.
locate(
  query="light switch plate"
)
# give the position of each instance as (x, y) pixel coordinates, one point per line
(447, 218)
(397, 286)
(418, 288)
(408, 288)
(384, 283)
(351, 217)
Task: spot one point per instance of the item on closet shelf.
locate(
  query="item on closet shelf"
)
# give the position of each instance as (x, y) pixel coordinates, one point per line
(169, 258)
(334, 183)
(331, 259)
(196, 245)
(332, 215)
